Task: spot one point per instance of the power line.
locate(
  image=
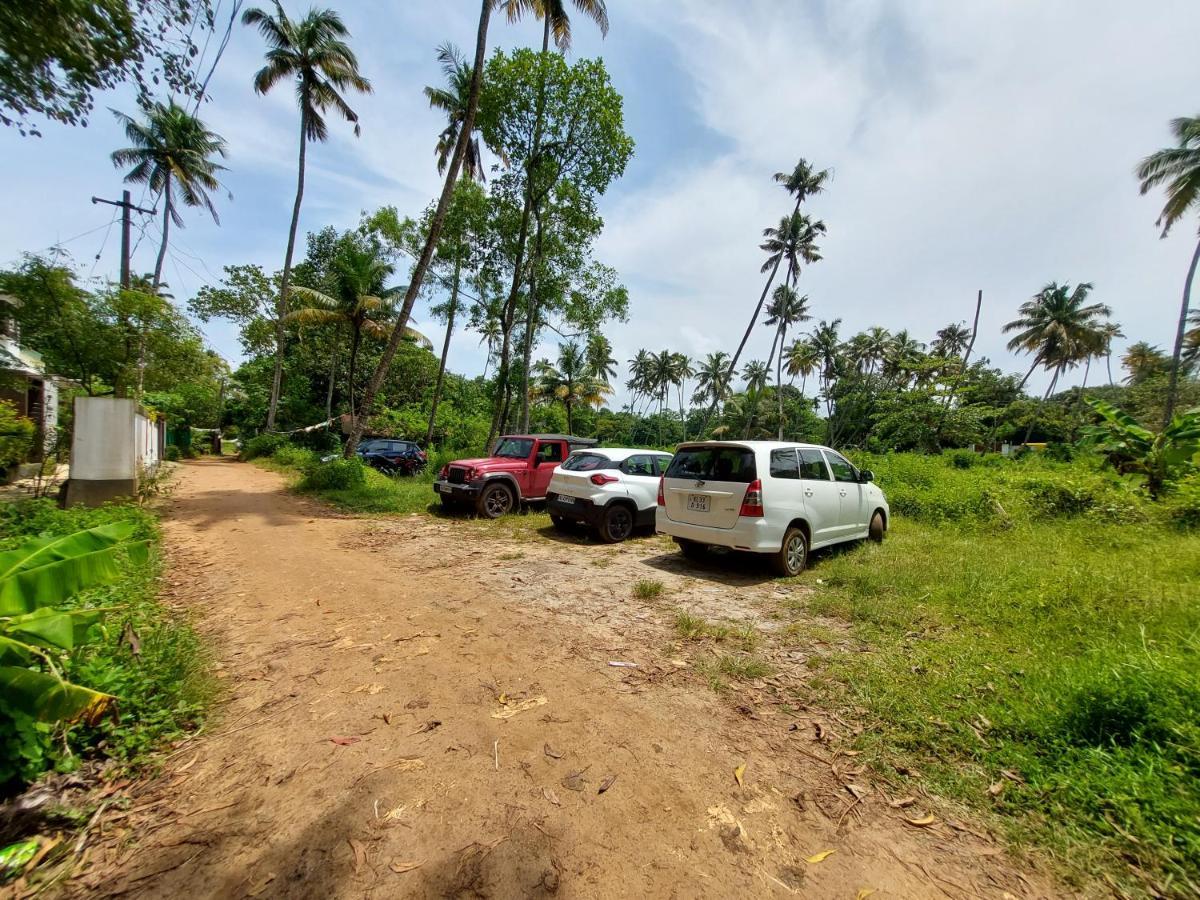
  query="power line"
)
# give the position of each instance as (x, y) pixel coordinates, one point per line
(103, 244)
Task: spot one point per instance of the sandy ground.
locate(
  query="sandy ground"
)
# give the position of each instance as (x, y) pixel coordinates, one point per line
(426, 707)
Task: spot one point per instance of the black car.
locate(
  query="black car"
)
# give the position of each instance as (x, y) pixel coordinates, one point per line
(392, 457)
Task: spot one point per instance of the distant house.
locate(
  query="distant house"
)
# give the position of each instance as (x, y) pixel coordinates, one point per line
(24, 382)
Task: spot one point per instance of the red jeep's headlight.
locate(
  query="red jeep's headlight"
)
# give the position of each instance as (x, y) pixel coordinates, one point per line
(444, 472)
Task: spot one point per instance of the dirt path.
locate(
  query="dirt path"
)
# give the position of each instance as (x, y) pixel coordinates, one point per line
(416, 710)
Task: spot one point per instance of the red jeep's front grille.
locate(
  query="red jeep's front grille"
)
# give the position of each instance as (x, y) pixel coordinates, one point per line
(457, 475)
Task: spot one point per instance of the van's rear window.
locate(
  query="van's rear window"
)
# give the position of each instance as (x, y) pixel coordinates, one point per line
(714, 464)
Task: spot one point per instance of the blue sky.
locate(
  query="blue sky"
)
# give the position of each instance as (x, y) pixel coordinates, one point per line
(974, 145)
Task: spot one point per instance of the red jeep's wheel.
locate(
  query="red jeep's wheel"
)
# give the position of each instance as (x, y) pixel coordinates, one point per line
(495, 501)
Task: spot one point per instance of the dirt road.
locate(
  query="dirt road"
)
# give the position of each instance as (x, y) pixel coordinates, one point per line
(415, 708)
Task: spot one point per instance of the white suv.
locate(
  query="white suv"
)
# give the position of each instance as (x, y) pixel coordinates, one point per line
(767, 497)
(613, 490)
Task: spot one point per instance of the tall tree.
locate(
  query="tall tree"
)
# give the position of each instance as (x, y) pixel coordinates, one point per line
(313, 54)
(171, 148)
(952, 340)
(828, 347)
(1111, 331)
(787, 308)
(1178, 169)
(600, 362)
(417, 278)
(803, 358)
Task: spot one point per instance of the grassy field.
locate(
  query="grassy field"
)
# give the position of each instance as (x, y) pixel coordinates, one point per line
(1029, 640)
(1040, 664)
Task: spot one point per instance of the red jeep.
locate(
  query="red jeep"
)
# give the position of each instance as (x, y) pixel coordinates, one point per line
(518, 471)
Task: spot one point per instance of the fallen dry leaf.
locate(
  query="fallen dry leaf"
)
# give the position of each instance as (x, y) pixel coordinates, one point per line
(864, 893)
(606, 783)
(902, 802)
(551, 796)
(510, 710)
(996, 789)
(820, 857)
(261, 885)
(401, 867)
(345, 741)
(738, 773)
(923, 822)
(360, 853)
(574, 781)
(551, 752)
(857, 791)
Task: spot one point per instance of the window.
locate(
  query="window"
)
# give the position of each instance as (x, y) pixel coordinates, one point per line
(549, 453)
(638, 465)
(812, 465)
(785, 465)
(586, 462)
(514, 448)
(660, 464)
(734, 464)
(842, 470)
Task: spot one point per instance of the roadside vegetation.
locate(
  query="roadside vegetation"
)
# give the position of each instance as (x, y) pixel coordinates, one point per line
(1030, 630)
(134, 674)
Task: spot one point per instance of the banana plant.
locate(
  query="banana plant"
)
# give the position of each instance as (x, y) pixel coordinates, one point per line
(35, 632)
(1132, 449)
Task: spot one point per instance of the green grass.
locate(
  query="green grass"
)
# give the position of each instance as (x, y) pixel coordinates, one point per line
(647, 589)
(731, 666)
(1066, 650)
(162, 692)
(696, 628)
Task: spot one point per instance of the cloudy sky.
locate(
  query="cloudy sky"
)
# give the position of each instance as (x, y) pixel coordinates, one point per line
(985, 145)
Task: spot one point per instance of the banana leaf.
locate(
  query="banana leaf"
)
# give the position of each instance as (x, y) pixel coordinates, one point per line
(40, 551)
(14, 651)
(64, 629)
(50, 699)
(48, 585)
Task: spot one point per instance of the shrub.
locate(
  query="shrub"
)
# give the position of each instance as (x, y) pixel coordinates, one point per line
(647, 588)
(296, 457)
(171, 453)
(1183, 505)
(322, 440)
(335, 475)
(961, 459)
(16, 436)
(263, 445)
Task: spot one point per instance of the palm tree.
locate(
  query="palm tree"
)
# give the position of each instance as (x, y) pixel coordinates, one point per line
(555, 20)
(681, 371)
(599, 358)
(802, 182)
(660, 377)
(1178, 168)
(712, 378)
(640, 379)
(1143, 361)
(794, 239)
(568, 382)
(952, 340)
(1059, 327)
(453, 100)
(803, 358)
(1110, 331)
(360, 301)
(1191, 340)
(787, 308)
(902, 355)
(756, 374)
(171, 148)
(313, 55)
(489, 334)
(828, 347)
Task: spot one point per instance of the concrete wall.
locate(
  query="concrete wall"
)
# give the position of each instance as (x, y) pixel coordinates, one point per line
(112, 445)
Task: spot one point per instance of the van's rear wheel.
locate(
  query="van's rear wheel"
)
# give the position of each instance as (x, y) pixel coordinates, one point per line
(793, 554)
(495, 501)
(691, 549)
(877, 529)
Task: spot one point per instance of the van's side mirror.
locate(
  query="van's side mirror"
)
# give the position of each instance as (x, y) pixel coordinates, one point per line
(866, 475)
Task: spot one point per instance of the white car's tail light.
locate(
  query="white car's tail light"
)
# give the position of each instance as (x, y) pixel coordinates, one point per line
(752, 503)
(600, 479)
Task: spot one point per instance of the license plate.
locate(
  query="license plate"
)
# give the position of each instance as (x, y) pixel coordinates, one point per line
(442, 488)
(563, 498)
(698, 502)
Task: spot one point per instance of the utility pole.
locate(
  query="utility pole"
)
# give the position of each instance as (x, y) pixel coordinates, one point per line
(126, 205)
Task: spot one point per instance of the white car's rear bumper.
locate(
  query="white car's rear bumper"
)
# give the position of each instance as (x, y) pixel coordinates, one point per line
(755, 535)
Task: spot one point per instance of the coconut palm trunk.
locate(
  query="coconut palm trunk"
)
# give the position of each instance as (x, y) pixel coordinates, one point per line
(531, 318)
(437, 388)
(431, 239)
(166, 231)
(281, 306)
(1177, 355)
(333, 360)
(355, 343)
(779, 379)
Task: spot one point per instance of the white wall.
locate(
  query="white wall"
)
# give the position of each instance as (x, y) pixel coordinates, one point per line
(102, 447)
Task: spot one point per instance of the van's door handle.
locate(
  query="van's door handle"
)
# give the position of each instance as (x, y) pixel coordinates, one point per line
(808, 492)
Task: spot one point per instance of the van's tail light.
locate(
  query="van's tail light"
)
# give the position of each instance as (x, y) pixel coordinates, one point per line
(752, 503)
(600, 479)
(662, 500)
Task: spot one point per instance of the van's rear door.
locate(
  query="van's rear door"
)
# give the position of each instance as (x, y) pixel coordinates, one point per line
(705, 484)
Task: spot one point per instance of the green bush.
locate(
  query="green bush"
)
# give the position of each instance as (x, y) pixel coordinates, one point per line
(171, 453)
(16, 436)
(961, 459)
(296, 457)
(263, 445)
(335, 475)
(1182, 506)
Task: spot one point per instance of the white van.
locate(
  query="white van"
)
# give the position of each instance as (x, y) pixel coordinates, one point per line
(780, 499)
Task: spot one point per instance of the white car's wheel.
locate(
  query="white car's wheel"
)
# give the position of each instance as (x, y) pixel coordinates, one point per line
(877, 529)
(793, 554)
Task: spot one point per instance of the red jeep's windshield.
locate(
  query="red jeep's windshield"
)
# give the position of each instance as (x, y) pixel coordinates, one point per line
(514, 448)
